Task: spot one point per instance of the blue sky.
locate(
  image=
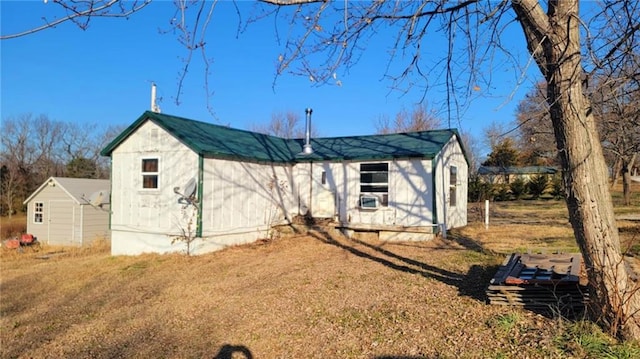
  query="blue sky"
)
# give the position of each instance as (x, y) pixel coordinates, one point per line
(104, 75)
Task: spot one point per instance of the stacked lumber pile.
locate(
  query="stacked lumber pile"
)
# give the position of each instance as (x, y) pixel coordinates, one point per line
(540, 281)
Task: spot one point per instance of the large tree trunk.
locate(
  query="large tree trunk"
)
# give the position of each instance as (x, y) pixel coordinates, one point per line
(554, 41)
(626, 178)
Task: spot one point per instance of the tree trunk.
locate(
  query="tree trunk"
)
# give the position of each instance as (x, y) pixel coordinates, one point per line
(626, 179)
(615, 171)
(554, 40)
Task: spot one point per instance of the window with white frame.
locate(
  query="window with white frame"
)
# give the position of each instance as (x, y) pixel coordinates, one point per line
(453, 185)
(38, 212)
(150, 173)
(374, 181)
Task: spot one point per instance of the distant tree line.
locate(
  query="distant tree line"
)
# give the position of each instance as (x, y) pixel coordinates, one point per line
(530, 140)
(34, 148)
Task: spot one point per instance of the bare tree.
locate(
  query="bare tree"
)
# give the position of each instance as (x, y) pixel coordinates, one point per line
(326, 37)
(28, 147)
(285, 125)
(33, 149)
(419, 119)
(615, 104)
(536, 140)
(80, 149)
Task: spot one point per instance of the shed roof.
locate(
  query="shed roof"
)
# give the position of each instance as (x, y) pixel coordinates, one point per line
(218, 141)
(489, 170)
(78, 189)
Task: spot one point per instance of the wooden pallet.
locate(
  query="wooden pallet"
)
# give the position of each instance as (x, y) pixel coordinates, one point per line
(540, 281)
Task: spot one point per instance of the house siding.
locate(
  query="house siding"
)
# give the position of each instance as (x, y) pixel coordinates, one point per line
(244, 192)
(451, 155)
(240, 200)
(410, 191)
(245, 198)
(148, 214)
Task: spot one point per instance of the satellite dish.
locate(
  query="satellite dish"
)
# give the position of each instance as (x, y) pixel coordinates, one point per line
(99, 198)
(190, 188)
(188, 196)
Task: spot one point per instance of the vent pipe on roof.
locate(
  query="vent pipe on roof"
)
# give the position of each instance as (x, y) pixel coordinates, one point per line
(307, 150)
(154, 106)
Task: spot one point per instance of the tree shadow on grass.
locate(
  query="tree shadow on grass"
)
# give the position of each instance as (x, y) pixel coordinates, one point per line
(471, 284)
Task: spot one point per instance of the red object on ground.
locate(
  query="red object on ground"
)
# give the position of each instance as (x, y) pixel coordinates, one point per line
(27, 238)
(12, 243)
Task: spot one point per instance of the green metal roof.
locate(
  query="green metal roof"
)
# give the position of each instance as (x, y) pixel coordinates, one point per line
(490, 170)
(217, 141)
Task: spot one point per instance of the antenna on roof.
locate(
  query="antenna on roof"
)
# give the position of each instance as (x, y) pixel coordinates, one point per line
(154, 105)
(188, 196)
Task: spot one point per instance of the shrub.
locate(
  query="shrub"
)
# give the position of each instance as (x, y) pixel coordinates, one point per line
(502, 193)
(518, 188)
(538, 185)
(479, 190)
(557, 187)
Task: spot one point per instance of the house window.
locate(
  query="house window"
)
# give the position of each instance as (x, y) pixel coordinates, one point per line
(374, 180)
(38, 212)
(150, 173)
(453, 185)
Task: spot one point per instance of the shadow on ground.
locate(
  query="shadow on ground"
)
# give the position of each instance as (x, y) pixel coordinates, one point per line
(471, 284)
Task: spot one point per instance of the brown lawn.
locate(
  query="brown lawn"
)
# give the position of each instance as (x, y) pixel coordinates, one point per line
(312, 295)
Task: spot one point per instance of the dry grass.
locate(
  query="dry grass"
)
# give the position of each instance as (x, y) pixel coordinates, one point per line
(10, 228)
(307, 296)
(301, 297)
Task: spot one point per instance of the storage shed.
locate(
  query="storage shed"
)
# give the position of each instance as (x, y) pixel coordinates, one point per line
(173, 176)
(69, 211)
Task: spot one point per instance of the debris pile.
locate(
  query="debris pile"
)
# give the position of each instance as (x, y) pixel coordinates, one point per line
(540, 281)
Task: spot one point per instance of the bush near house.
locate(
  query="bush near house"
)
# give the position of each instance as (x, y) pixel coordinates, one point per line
(518, 188)
(537, 185)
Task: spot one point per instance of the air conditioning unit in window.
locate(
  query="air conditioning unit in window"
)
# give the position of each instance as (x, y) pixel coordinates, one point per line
(369, 202)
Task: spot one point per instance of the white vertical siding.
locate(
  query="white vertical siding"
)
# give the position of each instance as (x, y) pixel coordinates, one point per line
(241, 197)
(452, 155)
(151, 213)
(240, 200)
(411, 192)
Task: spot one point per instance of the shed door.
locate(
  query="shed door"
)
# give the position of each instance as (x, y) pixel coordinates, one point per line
(61, 223)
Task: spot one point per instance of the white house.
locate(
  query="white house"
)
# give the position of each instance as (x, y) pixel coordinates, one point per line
(172, 176)
(69, 211)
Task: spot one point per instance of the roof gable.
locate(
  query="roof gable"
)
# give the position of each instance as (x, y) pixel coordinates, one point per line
(78, 189)
(211, 140)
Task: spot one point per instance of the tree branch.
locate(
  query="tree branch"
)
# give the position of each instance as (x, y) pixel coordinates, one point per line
(100, 11)
(290, 2)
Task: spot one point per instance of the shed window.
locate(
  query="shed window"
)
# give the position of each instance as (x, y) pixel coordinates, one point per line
(374, 180)
(38, 212)
(453, 185)
(150, 173)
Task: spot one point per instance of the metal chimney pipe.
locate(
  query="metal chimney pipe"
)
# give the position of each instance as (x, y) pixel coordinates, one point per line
(307, 150)
(153, 97)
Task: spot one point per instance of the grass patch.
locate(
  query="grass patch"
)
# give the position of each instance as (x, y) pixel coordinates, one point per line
(504, 323)
(297, 297)
(13, 227)
(584, 339)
